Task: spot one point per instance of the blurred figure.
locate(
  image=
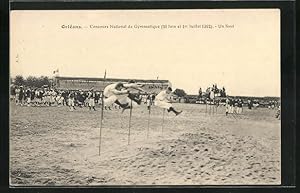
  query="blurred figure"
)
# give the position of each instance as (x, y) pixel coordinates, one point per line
(200, 93)
(80, 98)
(59, 99)
(28, 96)
(255, 103)
(231, 105)
(239, 106)
(72, 101)
(64, 95)
(52, 96)
(91, 97)
(250, 104)
(21, 96)
(162, 101)
(33, 96)
(17, 91)
(278, 113)
(227, 106)
(46, 97)
(223, 92)
(149, 102)
(40, 97)
(97, 97)
(12, 93)
(36, 94)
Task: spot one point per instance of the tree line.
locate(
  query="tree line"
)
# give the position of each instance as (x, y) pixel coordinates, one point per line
(32, 81)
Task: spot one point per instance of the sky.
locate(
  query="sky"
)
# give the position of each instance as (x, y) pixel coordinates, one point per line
(240, 52)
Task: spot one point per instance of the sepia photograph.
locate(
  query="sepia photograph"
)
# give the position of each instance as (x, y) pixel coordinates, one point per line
(145, 97)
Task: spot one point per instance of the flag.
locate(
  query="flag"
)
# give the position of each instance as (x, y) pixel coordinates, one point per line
(105, 74)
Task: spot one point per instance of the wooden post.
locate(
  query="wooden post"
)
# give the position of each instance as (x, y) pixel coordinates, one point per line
(101, 122)
(163, 121)
(149, 111)
(205, 106)
(129, 126)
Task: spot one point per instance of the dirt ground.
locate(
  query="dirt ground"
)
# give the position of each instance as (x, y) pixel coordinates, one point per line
(53, 146)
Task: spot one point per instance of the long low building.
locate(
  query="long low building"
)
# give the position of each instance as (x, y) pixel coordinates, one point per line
(86, 83)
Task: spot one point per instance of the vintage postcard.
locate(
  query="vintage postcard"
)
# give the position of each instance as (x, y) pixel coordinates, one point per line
(145, 97)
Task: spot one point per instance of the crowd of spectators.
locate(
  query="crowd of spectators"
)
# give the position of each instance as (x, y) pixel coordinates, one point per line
(45, 96)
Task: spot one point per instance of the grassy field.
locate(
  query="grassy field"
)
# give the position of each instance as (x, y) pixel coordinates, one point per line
(53, 146)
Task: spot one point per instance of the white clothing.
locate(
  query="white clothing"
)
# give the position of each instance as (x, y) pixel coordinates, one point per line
(212, 95)
(148, 102)
(91, 102)
(161, 100)
(230, 109)
(71, 102)
(162, 96)
(162, 104)
(112, 94)
(59, 99)
(239, 110)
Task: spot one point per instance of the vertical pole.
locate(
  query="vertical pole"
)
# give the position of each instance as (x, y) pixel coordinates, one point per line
(129, 126)
(148, 121)
(121, 120)
(163, 121)
(213, 108)
(205, 105)
(101, 122)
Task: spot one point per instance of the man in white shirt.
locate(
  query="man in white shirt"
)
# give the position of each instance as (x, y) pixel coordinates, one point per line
(162, 101)
(118, 93)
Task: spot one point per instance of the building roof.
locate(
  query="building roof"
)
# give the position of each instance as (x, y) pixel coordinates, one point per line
(111, 79)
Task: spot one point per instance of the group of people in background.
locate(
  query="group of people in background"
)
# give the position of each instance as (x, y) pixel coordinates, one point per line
(116, 95)
(27, 96)
(273, 104)
(233, 105)
(214, 89)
